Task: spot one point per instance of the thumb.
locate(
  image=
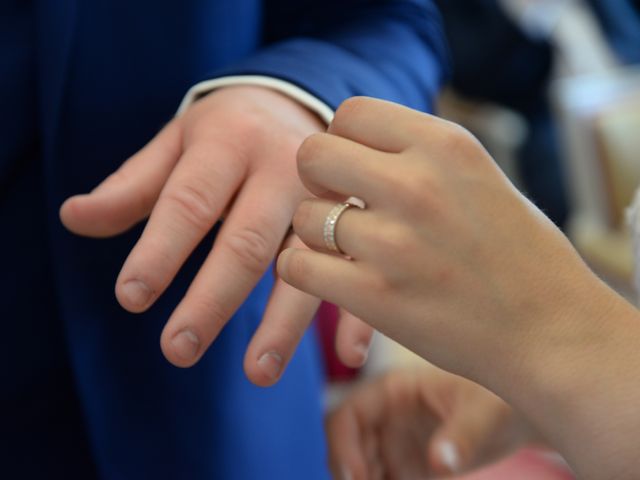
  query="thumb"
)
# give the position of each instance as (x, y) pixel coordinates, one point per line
(464, 441)
(127, 196)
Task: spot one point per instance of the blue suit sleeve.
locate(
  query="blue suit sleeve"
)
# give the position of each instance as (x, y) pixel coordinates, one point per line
(392, 49)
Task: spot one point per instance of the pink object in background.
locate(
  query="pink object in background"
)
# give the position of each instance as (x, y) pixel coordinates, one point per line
(528, 464)
(327, 323)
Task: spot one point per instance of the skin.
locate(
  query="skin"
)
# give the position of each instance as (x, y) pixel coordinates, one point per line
(230, 156)
(422, 423)
(450, 260)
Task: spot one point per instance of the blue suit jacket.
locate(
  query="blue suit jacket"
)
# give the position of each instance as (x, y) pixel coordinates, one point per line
(621, 21)
(83, 85)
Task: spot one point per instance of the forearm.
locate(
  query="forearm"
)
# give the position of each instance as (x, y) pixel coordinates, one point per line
(582, 392)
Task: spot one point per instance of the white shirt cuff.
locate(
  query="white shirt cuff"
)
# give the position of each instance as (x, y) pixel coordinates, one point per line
(289, 89)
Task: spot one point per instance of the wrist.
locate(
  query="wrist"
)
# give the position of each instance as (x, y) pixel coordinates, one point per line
(580, 388)
(268, 102)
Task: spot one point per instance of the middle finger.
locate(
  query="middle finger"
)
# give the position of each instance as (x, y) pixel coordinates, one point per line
(353, 231)
(243, 250)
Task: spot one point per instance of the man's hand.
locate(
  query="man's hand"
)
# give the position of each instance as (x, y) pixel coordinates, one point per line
(420, 424)
(231, 155)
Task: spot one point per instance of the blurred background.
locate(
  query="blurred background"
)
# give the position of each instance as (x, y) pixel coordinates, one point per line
(552, 89)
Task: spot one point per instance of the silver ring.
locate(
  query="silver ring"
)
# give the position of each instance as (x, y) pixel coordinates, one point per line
(330, 224)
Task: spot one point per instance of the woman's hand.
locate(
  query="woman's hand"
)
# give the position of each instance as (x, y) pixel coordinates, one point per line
(450, 260)
(422, 423)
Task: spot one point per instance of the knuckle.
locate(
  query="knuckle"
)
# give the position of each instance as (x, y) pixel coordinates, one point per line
(422, 131)
(423, 194)
(433, 205)
(399, 249)
(193, 204)
(425, 189)
(145, 196)
(288, 336)
(209, 154)
(201, 152)
(458, 140)
(251, 248)
(396, 182)
(242, 124)
(383, 285)
(392, 239)
(250, 123)
(212, 310)
(210, 141)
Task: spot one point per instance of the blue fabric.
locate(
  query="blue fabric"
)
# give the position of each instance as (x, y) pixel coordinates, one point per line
(621, 22)
(85, 392)
(492, 58)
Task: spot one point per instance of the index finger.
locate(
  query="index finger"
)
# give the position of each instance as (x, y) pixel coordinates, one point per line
(380, 124)
(332, 167)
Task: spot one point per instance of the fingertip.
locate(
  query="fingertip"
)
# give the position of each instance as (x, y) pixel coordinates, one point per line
(70, 213)
(89, 216)
(134, 295)
(254, 375)
(444, 457)
(294, 266)
(282, 263)
(449, 454)
(355, 355)
(263, 370)
(286, 318)
(63, 211)
(353, 340)
(266, 358)
(183, 348)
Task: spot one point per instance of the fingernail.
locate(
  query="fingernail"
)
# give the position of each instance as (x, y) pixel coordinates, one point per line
(185, 345)
(136, 293)
(449, 456)
(346, 473)
(362, 349)
(271, 364)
